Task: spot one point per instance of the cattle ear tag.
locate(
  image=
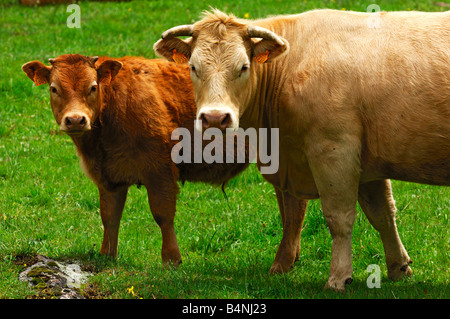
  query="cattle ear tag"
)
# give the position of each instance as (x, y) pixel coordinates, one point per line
(106, 79)
(262, 57)
(38, 80)
(179, 58)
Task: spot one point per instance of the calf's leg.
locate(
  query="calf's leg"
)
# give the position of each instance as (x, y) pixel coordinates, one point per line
(378, 204)
(162, 199)
(292, 215)
(111, 208)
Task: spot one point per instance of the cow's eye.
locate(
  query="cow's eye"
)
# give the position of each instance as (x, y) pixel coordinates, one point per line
(53, 90)
(194, 70)
(243, 69)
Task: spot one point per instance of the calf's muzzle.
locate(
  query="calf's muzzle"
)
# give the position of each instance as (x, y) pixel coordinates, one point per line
(75, 123)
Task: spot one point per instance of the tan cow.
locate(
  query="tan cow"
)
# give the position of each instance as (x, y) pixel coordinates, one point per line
(358, 98)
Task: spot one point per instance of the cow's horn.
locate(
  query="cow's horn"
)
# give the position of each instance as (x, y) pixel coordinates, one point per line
(94, 59)
(181, 30)
(51, 60)
(258, 32)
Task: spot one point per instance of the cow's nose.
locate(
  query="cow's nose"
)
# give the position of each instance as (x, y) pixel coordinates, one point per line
(216, 119)
(75, 123)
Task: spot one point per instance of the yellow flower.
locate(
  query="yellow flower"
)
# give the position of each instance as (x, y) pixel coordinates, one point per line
(131, 290)
(343, 9)
(247, 15)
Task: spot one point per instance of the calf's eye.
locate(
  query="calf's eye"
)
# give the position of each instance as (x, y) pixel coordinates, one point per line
(94, 87)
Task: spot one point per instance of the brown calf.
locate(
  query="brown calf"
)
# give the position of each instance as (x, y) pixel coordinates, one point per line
(120, 113)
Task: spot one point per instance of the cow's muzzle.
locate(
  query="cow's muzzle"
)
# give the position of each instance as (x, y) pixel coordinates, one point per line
(221, 121)
(215, 118)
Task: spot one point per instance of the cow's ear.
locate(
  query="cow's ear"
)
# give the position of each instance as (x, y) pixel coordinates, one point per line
(107, 71)
(174, 49)
(267, 50)
(37, 72)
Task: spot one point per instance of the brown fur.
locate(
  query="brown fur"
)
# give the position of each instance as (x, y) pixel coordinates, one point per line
(129, 137)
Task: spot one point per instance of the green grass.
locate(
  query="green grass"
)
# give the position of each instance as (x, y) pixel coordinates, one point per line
(47, 205)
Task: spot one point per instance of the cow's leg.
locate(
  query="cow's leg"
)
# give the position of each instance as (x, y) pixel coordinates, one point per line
(279, 194)
(335, 165)
(162, 192)
(378, 204)
(111, 208)
(340, 222)
(292, 214)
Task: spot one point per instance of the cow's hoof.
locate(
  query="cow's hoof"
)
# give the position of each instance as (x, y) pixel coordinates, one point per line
(337, 286)
(397, 272)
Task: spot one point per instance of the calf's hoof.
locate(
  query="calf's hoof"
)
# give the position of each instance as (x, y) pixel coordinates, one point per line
(171, 260)
(279, 268)
(171, 264)
(112, 253)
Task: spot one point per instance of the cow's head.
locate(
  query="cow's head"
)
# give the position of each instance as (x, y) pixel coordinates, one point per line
(74, 88)
(222, 52)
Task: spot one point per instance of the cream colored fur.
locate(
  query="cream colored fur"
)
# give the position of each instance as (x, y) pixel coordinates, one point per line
(357, 103)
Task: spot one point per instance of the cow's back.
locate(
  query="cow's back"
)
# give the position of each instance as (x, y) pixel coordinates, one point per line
(390, 77)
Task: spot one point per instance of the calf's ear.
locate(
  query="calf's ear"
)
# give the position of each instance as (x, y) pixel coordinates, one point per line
(174, 49)
(37, 72)
(107, 71)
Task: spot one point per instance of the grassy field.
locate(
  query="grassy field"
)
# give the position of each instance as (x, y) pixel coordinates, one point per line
(48, 207)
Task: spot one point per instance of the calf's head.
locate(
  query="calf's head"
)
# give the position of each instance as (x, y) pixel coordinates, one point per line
(74, 88)
(222, 52)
